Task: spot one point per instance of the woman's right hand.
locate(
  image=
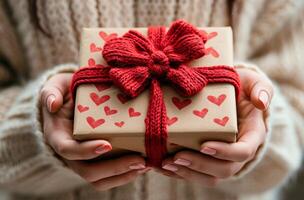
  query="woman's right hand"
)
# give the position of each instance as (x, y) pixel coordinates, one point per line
(57, 113)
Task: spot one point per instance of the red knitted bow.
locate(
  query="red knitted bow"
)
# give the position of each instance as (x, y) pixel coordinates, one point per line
(137, 62)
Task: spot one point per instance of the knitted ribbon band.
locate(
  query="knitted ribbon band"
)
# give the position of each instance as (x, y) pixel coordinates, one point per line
(137, 63)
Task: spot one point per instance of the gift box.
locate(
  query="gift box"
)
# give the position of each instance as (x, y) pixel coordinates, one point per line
(104, 111)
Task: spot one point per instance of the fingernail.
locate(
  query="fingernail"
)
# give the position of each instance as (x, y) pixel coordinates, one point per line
(137, 166)
(182, 162)
(103, 149)
(50, 100)
(208, 150)
(170, 167)
(142, 171)
(263, 97)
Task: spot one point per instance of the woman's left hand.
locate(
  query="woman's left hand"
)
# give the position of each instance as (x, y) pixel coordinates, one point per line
(219, 160)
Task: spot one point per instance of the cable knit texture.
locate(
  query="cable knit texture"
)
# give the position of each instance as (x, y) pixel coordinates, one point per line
(266, 33)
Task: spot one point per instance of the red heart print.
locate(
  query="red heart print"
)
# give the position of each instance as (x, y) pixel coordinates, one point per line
(91, 62)
(133, 113)
(200, 113)
(211, 35)
(208, 35)
(180, 104)
(222, 121)
(212, 51)
(119, 124)
(171, 120)
(82, 108)
(106, 37)
(109, 111)
(217, 100)
(99, 100)
(102, 87)
(122, 98)
(94, 48)
(95, 123)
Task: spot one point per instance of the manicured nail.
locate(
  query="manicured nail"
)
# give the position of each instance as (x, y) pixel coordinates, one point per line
(170, 167)
(103, 149)
(142, 171)
(50, 100)
(137, 166)
(263, 97)
(182, 162)
(208, 150)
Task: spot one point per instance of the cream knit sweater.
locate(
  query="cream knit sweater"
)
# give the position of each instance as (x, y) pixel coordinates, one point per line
(268, 33)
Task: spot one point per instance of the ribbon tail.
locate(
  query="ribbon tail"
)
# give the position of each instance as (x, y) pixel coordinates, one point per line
(156, 127)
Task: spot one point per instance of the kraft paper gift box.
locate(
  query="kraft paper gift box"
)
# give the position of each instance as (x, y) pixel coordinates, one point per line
(103, 112)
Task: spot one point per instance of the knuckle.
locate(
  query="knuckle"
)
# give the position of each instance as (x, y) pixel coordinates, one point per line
(227, 171)
(62, 150)
(247, 154)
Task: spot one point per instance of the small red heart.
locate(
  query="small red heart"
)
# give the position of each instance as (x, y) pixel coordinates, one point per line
(208, 35)
(122, 98)
(222, 121)
(171, 120)
(217, 100)
(109, 111)
(119, 124)
(200, 113)
(211, 35)
(212, 51)
(180, 104)
(99, 100)
(106, 37)
(95, 123)
(91, 62)
(94, 48)
(133, 113)
(102, 87)
(82, 108)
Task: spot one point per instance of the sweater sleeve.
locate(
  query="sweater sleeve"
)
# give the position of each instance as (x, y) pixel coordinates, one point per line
(28, 165)
(278, 158)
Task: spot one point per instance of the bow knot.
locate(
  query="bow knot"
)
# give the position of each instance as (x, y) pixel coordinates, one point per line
(135, 59)
(159, 65)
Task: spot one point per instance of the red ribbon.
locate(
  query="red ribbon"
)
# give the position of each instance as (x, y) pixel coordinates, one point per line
(136, 63)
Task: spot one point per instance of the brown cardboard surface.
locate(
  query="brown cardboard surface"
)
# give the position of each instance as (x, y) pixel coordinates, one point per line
(188, 131)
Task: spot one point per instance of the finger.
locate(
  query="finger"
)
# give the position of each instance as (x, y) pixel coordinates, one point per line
(54, 90)
(205, 164)
(251, 137)
(115, 181)
(259, 88)
(58, 134)
(95, 171)
(190, 175)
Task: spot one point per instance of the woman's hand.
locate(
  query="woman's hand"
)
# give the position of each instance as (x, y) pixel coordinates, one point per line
(57, 113)
(219, 160)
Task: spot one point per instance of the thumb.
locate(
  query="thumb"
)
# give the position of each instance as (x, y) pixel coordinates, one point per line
(53, 92)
